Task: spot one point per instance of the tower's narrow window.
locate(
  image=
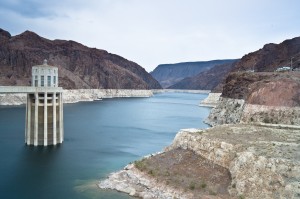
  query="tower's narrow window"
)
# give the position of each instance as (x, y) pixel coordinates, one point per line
(36, 81)
(42, 80)
(49, 81)
(54, 80)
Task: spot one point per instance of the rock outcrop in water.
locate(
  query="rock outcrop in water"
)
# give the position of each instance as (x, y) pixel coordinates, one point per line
(80, 67)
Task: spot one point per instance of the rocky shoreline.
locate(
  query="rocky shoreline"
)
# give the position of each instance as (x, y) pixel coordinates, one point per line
(78, 95)
(180, 91)
(261, 157)
(212, 100)
(264, 162)
(132, 181)
(81, 95)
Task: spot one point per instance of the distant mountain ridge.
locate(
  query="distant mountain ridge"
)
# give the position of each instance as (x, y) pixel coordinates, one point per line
(206, 80)
(79, 66)
(267, 59)
(170, 74)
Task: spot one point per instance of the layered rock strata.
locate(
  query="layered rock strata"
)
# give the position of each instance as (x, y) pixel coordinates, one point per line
(263, 162)
(259, 97)
(233, 111)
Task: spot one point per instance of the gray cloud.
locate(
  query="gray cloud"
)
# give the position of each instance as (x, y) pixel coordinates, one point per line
(151, 32)
(26, 8)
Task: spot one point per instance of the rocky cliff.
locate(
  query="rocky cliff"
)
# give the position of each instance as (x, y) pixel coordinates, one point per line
(251, 152)
(272, 56)
(268, 59)
(273, 89)
(259, 97)
(228, 161)
(170, 74)
(80, 67)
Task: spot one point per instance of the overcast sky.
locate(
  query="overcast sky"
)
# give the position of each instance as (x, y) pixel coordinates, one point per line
(152, 32)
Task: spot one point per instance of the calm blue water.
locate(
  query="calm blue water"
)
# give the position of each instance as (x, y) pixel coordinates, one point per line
(100, 137)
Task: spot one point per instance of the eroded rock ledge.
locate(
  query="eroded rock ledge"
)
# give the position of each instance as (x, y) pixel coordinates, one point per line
(212, 100)
(263, 162)
(233, 111)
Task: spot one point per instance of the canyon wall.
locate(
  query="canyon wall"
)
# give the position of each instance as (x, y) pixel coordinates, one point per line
(79, 66)
(258, 98)
(233, 111)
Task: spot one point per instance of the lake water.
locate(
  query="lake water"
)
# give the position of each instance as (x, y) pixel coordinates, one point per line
(100, 137)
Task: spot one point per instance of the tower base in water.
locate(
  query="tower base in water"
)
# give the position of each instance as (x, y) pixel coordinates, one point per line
(44, 118)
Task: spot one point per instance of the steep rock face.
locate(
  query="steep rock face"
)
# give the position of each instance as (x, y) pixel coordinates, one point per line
(234, 111)
(206, 80)
(244, 161)
(79, 66)
(260, 159)
(268, 59)
(270, 89)
(211, 100)
(271, 56)
(253, 113)
(259, 98)
(169, 74)
(227, 111)
(281, 92)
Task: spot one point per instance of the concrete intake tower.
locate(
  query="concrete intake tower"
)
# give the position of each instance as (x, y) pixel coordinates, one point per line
(44, 108)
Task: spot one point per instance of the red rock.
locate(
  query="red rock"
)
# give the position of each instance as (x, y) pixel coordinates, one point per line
(271, 89)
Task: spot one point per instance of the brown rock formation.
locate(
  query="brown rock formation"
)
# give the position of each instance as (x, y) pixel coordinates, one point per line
(79, 66)
(270, 89)
(268, 59)
(271, 56)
